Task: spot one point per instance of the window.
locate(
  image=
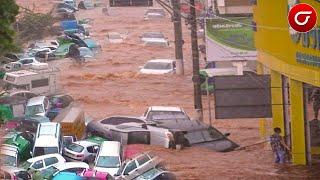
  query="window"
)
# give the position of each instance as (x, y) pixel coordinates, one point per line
(40, 83)
(39, 151)
(50, 161)
(130, 167)
(37, 165)
(93, 149)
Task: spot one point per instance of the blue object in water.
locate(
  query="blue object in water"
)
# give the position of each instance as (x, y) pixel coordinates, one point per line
(66, 175)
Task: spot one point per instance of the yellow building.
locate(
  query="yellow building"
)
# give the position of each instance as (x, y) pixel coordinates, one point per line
(293, 61)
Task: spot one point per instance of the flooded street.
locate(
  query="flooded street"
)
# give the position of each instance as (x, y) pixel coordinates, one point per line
(111, 85)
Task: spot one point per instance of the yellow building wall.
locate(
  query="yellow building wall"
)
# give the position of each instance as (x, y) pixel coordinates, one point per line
(277, 51)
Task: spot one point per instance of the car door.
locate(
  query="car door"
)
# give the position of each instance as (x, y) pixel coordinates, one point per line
(130, 169)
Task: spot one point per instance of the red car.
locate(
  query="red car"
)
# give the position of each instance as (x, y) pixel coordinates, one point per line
(93, 174)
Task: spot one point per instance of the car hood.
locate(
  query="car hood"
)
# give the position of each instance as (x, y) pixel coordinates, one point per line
(155, 71)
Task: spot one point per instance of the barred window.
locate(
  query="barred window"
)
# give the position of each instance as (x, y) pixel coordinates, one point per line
(39, 83)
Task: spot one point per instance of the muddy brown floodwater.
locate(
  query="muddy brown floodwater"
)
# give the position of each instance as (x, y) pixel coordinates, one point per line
(110, 85)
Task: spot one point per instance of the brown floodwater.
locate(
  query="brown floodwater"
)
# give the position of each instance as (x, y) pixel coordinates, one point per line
(110, 85)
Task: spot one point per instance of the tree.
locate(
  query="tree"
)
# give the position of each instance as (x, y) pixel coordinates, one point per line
(8, 11)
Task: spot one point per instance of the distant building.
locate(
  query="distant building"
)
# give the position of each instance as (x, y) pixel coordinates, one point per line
(232, 7)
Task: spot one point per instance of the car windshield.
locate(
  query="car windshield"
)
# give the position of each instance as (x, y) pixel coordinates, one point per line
(67, 141)
(75, 147)
(33, 110)
(39, 151)
(26, 165)
(8, 160)
(157, 65)
(108, 162)
(166, 115)
(149, 174)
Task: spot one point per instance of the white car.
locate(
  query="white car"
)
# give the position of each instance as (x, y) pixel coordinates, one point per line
(9, 155)
(154, 13)
(115, 37)
(158, 113)
(81, 151)
(42, 162)
(37, 106)
(154, 39)
(134, 167)
(159, 66)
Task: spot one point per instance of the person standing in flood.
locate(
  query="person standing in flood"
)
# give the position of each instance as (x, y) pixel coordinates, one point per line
(278, 146)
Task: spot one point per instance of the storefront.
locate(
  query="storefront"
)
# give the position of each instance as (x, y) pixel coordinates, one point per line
(293, 60)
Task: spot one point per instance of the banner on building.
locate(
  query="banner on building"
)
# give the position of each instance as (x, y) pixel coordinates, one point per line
(230, 39)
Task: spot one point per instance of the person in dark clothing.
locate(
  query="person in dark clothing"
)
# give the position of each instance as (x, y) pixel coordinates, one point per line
(316, 102)
(278, 146)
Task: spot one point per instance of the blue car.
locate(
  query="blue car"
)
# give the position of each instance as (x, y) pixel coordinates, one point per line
(66, 175)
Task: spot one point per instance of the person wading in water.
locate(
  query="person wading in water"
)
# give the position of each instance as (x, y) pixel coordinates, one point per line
(278, 146)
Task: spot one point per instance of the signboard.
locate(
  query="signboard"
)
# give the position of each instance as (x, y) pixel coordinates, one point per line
(230, 39)
(247, 96)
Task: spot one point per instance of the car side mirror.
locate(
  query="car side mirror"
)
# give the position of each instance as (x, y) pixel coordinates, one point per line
(226, 134)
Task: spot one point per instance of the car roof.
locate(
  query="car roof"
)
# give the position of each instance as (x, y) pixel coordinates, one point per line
(20, 73)
(85, 143)
(43, 157)
(68, 165)
(162, 60)
(110, 151)
(36, 100)
(165, 108)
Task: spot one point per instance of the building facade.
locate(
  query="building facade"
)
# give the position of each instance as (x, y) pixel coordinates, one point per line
(293, 61)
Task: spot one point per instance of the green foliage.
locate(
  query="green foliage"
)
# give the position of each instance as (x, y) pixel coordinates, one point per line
(8, 11)
(33, 26)
(239, 37)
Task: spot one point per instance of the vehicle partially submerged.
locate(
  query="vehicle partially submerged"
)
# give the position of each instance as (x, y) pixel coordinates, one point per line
(164, 131)
(159, 66)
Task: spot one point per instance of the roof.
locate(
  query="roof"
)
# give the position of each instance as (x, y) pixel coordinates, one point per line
(21, 73)
(154, 40)
(85, 143)
(165, 108)
(43, 157)
(162, 60)
(36, 100)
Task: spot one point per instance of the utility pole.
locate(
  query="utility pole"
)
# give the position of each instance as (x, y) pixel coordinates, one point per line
(195, 61)
(178, 36)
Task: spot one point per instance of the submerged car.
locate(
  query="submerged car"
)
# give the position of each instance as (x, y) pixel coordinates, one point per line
(9, 155)
(163, 113)
(154, 13)
(157, 174)
(133, 168)
(159, 66)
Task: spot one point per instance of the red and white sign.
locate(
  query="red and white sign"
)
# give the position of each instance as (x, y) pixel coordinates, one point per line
(302, 17)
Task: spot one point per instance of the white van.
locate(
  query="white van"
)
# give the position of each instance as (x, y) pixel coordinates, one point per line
(48, 139)
(109, 157)
(38, 81)
(37, 106)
